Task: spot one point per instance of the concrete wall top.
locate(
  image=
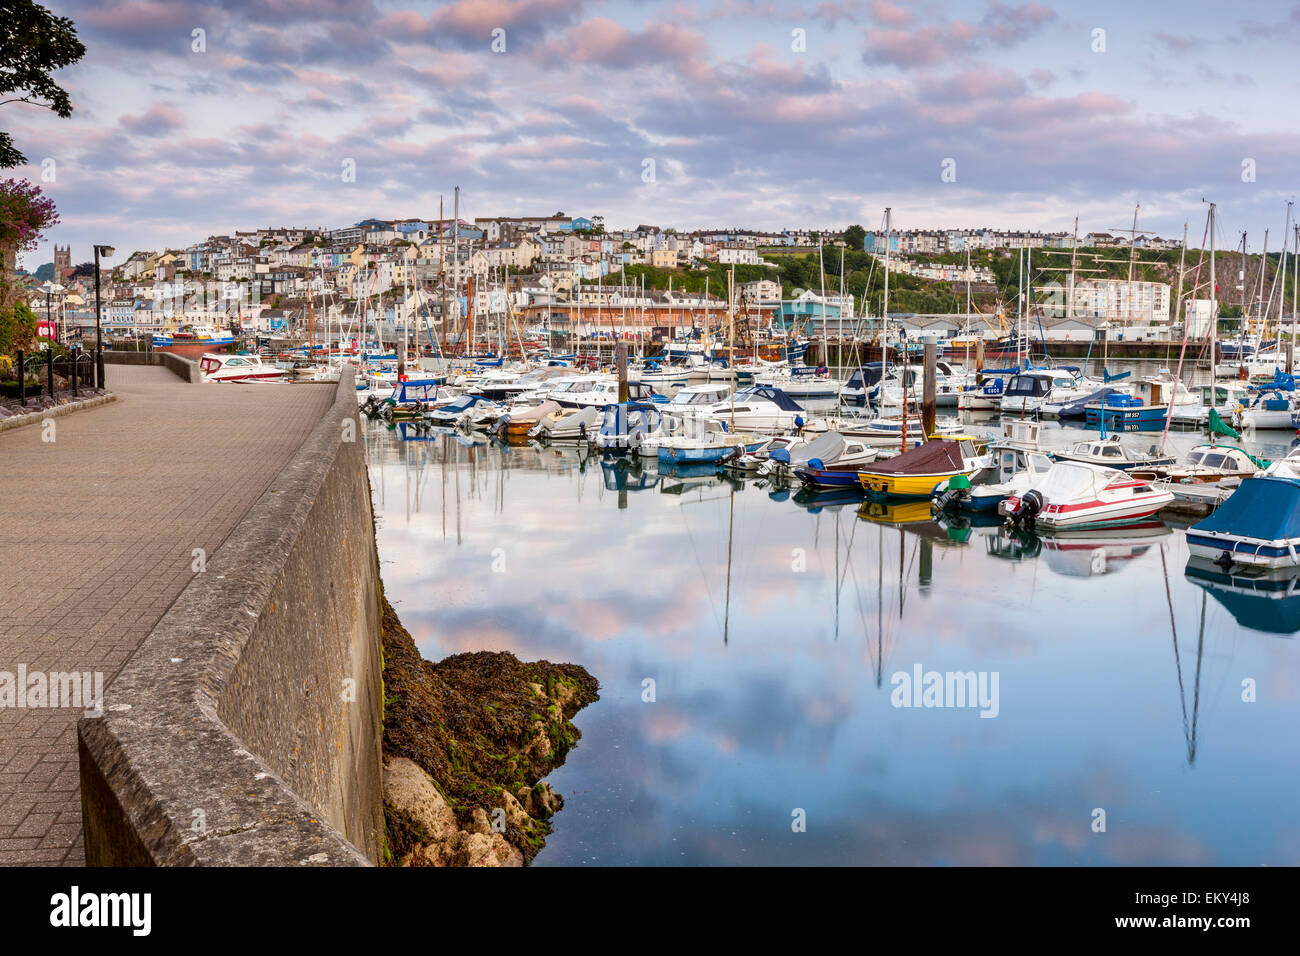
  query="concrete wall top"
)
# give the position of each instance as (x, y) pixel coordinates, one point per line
(165, 781)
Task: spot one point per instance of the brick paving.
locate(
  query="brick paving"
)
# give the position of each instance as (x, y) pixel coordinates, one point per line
(97, 531)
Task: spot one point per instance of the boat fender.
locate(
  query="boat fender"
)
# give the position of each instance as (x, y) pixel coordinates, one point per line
(798, 421)
(815, 463)
(780, 454)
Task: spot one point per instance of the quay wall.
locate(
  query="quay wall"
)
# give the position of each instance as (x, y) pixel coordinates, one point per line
(186, 369)
(246, 729)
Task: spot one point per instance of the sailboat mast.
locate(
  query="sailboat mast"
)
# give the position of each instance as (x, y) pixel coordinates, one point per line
(884, 308)
(1214, 297)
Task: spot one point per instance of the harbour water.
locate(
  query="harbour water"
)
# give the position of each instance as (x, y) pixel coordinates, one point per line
(749, 646)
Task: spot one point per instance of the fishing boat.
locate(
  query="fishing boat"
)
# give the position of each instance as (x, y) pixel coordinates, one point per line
(1074, 494)
(917, 472)
(1146, 410)
(224, 367)
(1110, 452)
(1258, 525)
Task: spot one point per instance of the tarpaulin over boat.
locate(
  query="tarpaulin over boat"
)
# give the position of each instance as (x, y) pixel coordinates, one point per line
(1263, 508)
(827, 447)
(536, 413)
(772, 394)
(934, 457)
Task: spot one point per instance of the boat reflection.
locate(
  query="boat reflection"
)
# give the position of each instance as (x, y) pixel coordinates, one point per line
(1260, 599)
(1092, 552)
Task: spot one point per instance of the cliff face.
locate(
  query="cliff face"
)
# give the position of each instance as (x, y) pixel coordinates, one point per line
(467, 741)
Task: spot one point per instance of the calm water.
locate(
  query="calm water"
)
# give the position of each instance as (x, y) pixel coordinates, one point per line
(1119, 677)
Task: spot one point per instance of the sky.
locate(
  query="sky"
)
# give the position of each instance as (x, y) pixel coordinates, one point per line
(198, 117)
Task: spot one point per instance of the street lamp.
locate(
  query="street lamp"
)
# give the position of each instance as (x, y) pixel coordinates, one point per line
(50, 289)
(107, 252)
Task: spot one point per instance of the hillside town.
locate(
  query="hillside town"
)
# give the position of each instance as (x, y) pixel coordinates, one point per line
(402, 275)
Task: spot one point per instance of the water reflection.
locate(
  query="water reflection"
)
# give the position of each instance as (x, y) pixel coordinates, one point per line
(771, 623)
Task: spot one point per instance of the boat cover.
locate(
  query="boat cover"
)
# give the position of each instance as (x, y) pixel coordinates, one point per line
(934, 457)
(772, 394)
(827, 447)
(1264, 508)
(536, 413)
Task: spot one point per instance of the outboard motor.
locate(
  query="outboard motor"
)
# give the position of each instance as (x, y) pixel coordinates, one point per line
(958, 490)
(1025, 508)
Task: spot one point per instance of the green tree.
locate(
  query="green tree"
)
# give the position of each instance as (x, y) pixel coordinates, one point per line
(855, 236)
(33, 43)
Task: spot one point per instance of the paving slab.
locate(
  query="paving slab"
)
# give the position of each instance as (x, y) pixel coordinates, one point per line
(98, 530)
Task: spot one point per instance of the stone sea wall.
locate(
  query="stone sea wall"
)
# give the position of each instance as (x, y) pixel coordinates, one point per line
(247, 727)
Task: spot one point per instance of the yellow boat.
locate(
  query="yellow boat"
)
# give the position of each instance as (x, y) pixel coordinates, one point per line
(916, 472)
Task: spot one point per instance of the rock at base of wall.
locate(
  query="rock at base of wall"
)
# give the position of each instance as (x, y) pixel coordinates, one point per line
(467, 741)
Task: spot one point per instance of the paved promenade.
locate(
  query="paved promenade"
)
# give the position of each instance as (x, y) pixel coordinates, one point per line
(97, 533)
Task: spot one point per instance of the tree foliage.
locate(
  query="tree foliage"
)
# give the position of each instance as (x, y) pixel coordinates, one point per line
(33, 44)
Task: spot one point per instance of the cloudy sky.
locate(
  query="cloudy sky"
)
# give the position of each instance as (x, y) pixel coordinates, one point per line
(196, 117)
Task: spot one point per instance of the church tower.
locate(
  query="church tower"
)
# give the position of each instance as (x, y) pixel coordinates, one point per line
(62, 260)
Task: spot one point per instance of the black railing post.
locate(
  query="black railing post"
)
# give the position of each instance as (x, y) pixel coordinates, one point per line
(99, 366)
(72, 354)
(49, 368)
(22, 378)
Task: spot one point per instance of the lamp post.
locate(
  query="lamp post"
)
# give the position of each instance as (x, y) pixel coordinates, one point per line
(105, 251)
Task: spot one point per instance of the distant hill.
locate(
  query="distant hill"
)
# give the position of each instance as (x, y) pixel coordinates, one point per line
(45, 273)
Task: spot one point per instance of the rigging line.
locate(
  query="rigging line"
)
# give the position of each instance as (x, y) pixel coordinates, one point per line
(713, 606)
(1178, 664)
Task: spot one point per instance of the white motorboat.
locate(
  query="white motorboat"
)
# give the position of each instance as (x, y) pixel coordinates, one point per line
(1075, 494)
(1030, 390)
(758, 408)
(222, 367)
(800, 381)
(1224, 401)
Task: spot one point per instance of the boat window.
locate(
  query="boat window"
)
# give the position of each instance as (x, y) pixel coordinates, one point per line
(236, 361)
(1215, 461)
(1111, 451)
(967, 449)
(1196, 458)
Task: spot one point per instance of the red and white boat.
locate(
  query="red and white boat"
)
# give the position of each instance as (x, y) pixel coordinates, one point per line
(237, 368)
(1075, 494)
